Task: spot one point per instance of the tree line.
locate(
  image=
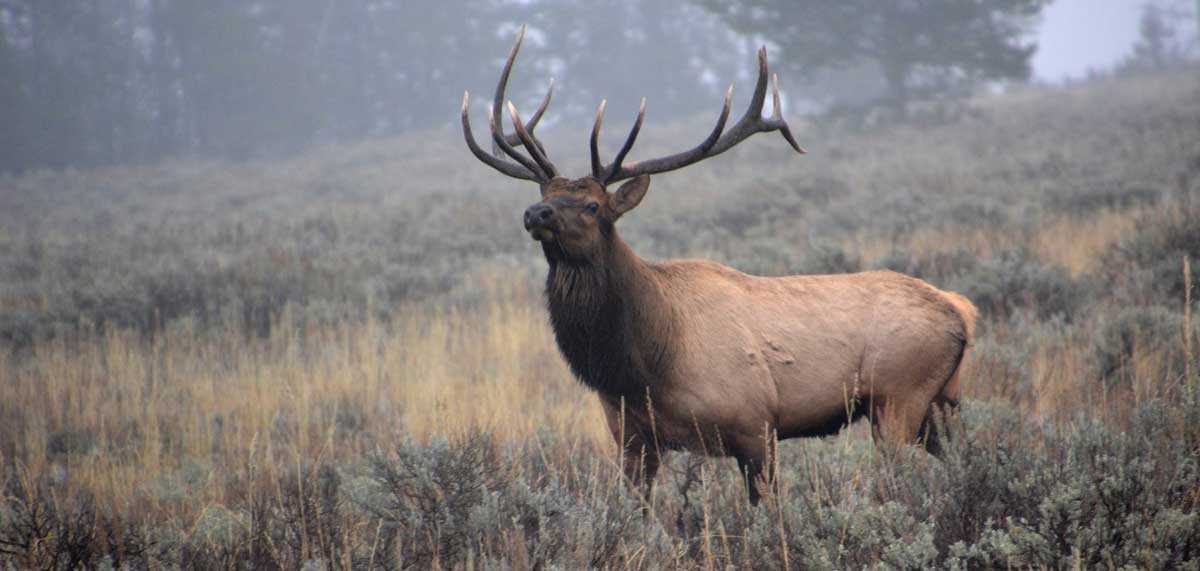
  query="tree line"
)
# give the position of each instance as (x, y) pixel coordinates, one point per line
(100, 82)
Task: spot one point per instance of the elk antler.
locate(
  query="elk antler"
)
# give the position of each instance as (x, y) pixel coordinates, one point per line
(537, 166)
(540, 169)
(751, 122)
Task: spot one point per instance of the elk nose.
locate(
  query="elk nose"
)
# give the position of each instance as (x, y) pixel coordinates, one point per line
(537, 215)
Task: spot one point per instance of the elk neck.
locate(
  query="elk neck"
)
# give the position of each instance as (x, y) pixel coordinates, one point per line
(611, 317)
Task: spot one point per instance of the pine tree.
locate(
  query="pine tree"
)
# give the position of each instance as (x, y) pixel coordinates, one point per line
(918, 47)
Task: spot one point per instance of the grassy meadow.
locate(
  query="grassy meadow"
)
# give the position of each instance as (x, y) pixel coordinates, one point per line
(342, 360)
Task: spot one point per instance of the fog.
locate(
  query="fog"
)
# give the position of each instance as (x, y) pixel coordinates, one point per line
(1078, 36)
(260, 307)
(91, 83)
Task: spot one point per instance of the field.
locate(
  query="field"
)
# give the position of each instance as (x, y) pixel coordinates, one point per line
(343, 360)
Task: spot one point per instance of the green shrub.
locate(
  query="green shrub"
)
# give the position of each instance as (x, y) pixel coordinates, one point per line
(1014, 281)
(1009, 491)
(1147, 267)
(1118, 333)
(935, 267)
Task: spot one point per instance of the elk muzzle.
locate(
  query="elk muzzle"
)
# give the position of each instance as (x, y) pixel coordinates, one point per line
(539, 222)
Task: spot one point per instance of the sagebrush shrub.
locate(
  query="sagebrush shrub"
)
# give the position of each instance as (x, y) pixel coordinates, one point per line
(1015, 280)
(1119, 333)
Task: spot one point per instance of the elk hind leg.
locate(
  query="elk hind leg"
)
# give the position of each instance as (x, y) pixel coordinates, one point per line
(933, 427)
(945, 403)
(896, 423)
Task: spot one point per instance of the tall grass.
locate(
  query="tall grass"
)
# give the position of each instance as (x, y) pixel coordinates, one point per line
(342, 360)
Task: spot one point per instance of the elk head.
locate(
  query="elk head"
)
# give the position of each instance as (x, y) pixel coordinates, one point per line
(575, 217)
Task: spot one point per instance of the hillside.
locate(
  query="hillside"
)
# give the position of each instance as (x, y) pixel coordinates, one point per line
(381, 224)
(341, 359)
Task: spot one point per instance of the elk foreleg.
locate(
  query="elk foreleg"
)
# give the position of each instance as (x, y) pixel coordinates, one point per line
(640, 455)
(751, 470)
(641, 461)
(758, 471)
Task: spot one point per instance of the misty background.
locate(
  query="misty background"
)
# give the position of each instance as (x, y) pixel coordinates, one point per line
(261, 308)
(102, 82)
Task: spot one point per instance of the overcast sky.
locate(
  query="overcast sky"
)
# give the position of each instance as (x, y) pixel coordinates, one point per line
(1078, 35)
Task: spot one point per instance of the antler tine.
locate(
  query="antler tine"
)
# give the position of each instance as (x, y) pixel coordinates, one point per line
(777, 117)
(532, 124)
(716, 132)
(750, 123)
(534, 150)
(537, 115)
(597, 166)
(678, 160)
(777, 107)
(502, 85)
(628, 145)
(510, 169)
(760, 89)
(498, 138)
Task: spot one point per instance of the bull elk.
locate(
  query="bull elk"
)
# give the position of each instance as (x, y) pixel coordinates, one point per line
(693, 355)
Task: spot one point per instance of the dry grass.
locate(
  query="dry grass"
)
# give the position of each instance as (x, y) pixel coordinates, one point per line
(114, 415)
(1074, 241)
(1078, 243)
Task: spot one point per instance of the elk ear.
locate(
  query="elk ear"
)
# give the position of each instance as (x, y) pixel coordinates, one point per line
(630, 194)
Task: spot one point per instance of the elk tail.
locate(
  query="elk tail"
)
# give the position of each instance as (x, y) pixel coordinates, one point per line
(967, 311)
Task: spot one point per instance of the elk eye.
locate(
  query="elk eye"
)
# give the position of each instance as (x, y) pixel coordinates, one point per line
(593, 207)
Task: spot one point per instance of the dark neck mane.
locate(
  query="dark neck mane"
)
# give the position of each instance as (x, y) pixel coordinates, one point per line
(611, 319)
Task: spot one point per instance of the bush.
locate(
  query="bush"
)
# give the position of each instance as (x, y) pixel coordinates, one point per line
(1009, 490)
(1147, 268)
(821, 259)
(934, 267)
(1014, 281)
(1119, 333)
(39, 530)
(450, 501)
